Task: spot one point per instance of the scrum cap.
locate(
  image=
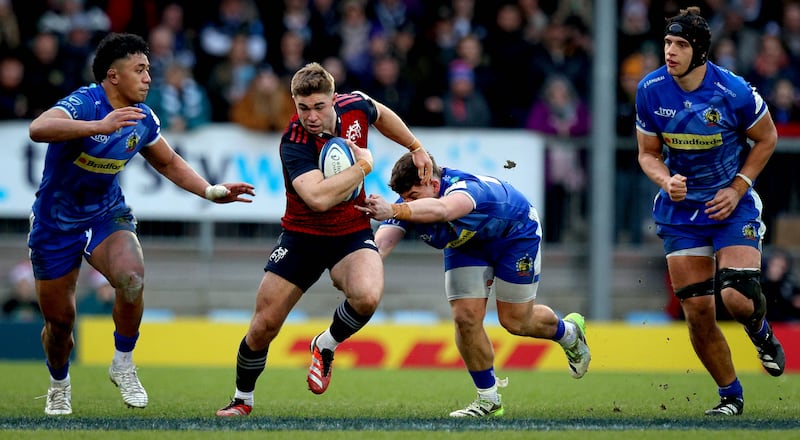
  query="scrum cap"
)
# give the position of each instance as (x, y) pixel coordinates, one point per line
(690, 26)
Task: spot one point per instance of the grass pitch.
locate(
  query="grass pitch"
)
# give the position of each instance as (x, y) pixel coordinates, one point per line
(396, 404)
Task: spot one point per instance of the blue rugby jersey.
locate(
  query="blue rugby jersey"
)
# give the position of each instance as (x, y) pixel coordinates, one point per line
(501, 215)
(80, 180)
(704, 130)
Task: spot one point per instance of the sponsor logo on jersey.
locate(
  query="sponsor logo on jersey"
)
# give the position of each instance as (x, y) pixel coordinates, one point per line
(712, 117)
(100, 138)
(681, 141)
(653, 81)
(99, 165)
(666, 112)
(725, 89)
(463, 237)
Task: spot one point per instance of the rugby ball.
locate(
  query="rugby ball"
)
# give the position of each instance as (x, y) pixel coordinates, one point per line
(336, 157)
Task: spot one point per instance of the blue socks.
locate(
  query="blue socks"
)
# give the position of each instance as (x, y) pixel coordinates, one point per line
(560, 331)
(732, 390)
(483, 379)
(124, 343)
(59, 373)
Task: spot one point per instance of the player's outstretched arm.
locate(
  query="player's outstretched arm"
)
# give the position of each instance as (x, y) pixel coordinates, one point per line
(423, 210)
(172, 166)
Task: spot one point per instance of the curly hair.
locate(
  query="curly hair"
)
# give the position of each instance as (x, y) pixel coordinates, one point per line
(113, 47)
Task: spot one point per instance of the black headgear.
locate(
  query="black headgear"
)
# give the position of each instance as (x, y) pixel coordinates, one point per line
(694, 29)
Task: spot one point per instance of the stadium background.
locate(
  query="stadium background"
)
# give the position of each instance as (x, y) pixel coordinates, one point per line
(204, 262)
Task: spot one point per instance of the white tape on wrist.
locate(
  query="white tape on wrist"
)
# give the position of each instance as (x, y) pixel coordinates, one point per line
(746, 179)
(214, 192)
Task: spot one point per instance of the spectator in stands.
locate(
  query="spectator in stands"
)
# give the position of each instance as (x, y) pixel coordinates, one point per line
(511, 61)
(10, 37)
(462, 104)
(535, 19)
(132, 16)
(236, 20)
(180, 102)
(63, 16)
(724, 54)
(295, 16)
(45, 78)
(468, 18)
(758, 15)
(469, 49)
(266, 106)
(779, 183)
(230, 79)
(162, 54)
(790, 30)
(780, 286)
(13, 96)
(634, 27)
(747, 39)
(21, 304)
(389, 87)
(99, 297)
(292, 51)
(405, 49)
(784, 105)
(561, 113)
(325, 24)
(771, 64)
(356, 31)
(337, 69)
(391, 15)
(77, 52)
(183, 37)
(560, 54)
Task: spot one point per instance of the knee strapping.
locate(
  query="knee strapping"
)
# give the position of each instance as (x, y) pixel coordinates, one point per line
(703, 288)
(748, 283)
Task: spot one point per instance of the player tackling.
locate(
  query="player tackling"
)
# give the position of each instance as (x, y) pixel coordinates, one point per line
(490, 235)
(694, 120)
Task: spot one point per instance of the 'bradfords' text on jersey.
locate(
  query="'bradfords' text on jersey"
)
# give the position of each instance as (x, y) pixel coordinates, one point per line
(98, 165)
(682, 141)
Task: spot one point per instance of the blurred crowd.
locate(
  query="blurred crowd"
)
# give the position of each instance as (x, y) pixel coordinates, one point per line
(436, 62)
(454, 63)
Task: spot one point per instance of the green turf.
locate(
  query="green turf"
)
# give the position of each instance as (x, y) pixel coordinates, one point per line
(397, 404)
